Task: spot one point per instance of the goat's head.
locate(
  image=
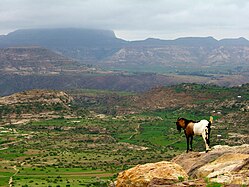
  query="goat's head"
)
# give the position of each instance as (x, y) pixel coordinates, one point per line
(180, 123)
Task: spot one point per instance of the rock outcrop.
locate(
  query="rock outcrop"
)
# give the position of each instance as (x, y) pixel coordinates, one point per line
(34, 105)
(37, 96)
(151, 174)
(223, 164)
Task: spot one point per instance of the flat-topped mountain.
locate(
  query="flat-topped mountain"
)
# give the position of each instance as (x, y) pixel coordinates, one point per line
(84, 44)
(64, 37)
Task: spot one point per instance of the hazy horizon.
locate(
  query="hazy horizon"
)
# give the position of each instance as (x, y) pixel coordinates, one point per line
(122, 35)
(131, 19)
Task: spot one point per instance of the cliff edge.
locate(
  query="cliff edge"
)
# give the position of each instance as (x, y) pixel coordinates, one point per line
(223, 164)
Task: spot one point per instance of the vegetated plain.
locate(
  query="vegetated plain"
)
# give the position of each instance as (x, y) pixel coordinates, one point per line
(101, 133)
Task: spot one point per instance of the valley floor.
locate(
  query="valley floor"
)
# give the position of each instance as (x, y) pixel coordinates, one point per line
(103, 133)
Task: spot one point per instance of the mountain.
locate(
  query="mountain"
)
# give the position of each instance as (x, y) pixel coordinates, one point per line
(102, 47)
(201, 55)
(234, 41)
(184, 41)
(193, 56)
(53, 38)
(57, 58)
(84, 44)
(192, 41)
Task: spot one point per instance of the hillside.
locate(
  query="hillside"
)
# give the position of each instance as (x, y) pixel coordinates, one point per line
(36, 61)
(182, 59)
(95, 78)
(34, 105)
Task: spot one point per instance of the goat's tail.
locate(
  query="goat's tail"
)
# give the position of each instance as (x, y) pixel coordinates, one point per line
(211, 119)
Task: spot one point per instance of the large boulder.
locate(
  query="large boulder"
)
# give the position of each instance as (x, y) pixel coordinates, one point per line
(151, 174)
(223, 164)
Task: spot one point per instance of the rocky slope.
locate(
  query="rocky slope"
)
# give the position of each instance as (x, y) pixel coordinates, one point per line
(223, 164)
(151, 173)
(180, 56)
(33, 105)
(33, 96)
(36, 60)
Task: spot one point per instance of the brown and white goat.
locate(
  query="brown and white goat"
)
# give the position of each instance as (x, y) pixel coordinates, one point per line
(192, 128)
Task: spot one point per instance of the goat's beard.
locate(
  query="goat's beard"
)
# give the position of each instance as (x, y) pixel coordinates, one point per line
(178, 128)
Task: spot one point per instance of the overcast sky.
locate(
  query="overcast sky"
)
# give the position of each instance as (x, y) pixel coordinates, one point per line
(132, 19)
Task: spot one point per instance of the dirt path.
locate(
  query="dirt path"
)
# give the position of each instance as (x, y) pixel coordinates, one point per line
(6, 145)
(136, 131)
(11, 178)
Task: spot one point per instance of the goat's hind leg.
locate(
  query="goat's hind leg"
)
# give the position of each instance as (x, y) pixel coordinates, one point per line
(187, 139)
(206, 140)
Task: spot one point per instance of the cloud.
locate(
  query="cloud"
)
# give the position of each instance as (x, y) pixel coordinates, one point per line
(131, 18)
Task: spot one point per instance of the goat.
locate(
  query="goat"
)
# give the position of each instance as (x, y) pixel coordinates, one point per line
(192, 128)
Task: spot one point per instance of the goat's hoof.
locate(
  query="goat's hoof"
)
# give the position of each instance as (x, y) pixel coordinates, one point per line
(209, 149)
(190, 150)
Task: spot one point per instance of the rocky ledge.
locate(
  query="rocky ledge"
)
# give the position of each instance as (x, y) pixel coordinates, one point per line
(223, 164)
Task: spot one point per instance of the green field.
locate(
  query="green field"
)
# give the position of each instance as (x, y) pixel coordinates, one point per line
(88, 151)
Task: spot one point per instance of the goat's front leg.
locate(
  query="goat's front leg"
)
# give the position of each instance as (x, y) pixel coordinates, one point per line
(191, 143)
(187, 138)
(208, 136)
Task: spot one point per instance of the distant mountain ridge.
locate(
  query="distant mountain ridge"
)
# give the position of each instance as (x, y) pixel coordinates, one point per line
(92, 37)
(93, 45)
